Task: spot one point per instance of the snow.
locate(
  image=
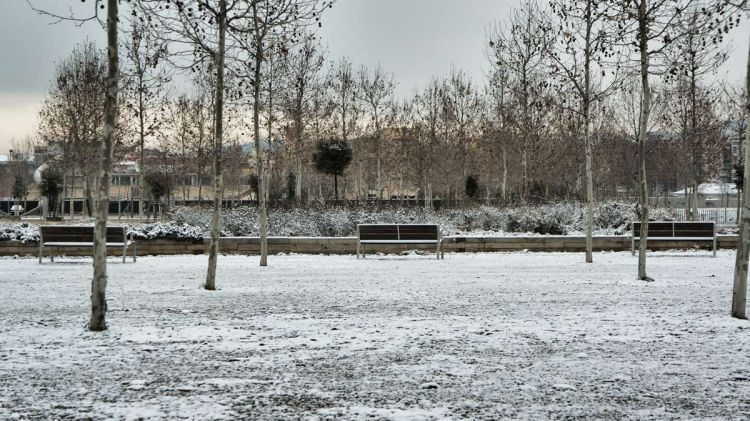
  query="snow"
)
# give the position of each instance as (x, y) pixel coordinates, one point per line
(502, 335)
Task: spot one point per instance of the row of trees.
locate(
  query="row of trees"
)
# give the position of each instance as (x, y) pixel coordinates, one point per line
(441, 135)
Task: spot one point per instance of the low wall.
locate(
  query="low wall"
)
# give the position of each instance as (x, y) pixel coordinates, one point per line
(348, 245)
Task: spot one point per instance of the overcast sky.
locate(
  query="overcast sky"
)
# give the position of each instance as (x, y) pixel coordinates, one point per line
(414, 39)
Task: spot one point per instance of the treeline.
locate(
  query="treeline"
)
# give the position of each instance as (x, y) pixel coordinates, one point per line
(516, 135)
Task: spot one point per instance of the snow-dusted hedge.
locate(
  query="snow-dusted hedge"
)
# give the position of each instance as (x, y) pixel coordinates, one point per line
(335, 221)
(25, 232)
(557, 219)
(22, 232)
(165, 230)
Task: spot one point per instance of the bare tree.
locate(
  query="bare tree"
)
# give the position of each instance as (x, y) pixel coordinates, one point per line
(301, 66)
(196, 31)
(583, 28)
(343, 92)
(522, 50)
(275, 25)
(428, 119)
(462, 106)
(691, 57)
(73, 115)
(99, 281)
(648, 26)
(376, 89)
(499, 116)
(144, 91)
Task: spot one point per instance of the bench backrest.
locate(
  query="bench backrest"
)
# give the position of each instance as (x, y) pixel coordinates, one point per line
(396, 232)
(677, 229)
(79, 234)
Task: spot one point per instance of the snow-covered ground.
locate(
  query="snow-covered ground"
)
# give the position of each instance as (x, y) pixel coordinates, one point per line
(504, 335)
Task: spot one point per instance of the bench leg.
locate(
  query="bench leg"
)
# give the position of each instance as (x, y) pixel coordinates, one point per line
(632, 246)
(51, 254)
(40, 253)
(124, 253)
(364, 251)
(134, 251)
(358, 249)
(437, 251)
(714, 246)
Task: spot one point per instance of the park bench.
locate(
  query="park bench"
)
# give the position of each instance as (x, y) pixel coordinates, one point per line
(675, 231)
(56, 237)
(399, 234)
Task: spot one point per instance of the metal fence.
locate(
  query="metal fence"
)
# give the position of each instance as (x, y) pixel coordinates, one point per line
(723, 217)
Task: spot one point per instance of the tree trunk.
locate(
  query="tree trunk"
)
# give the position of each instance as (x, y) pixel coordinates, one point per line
(258, 158)
(694, 202)
(505, 175)
(73, 193)
(524, 165)
(89, 195)
(739, 293)
(379, 186)
(589, 190)
(142, 141)
(66, 193)
(738, 205)
(99, 281)
(361, 187)
(298, 158)
(298, 182)
(642, 134)
(213, 247)
(587, 139)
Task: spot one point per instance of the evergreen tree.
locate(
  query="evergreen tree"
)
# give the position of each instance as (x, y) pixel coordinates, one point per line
(332, 158)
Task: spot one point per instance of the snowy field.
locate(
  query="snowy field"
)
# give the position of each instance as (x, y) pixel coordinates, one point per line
(477, 336)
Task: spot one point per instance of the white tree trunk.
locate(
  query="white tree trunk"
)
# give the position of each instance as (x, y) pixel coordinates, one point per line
(298, 181)
(379, 186)
(263, 203)
(587, 138)
(589, 192)
(524, 165)
(505, 175)
(694, 202)
(642, 135)
(99, 281)
(739, 294)
(218, 181)
(258, 153)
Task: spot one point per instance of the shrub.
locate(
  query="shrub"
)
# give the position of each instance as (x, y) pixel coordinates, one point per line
(557, 219)
(165, 230)
(21, 232)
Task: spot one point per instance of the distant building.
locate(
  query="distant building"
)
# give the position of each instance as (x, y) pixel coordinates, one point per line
(710, 195)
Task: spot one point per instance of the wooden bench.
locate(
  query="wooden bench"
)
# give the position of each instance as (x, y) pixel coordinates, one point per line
(56, 237)
(399, 234)
(675, 231)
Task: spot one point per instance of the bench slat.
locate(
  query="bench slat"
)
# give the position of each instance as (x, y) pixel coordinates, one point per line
(399, 241)
(672, 230)
(82, 234)
(378, 232)
(677, 238)
(83, 244)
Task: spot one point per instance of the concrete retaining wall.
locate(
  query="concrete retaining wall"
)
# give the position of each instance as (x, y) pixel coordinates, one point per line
(347, 245)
